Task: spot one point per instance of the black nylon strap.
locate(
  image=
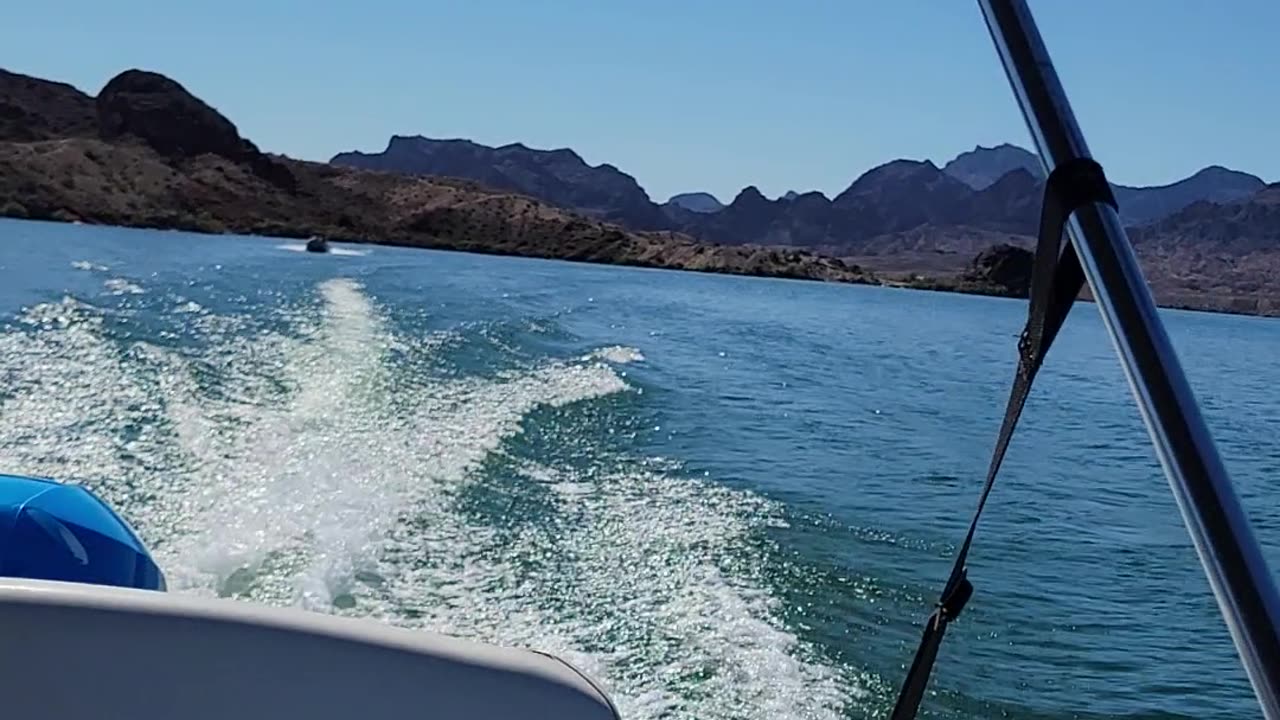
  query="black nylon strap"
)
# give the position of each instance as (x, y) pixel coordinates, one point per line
(1056, 280)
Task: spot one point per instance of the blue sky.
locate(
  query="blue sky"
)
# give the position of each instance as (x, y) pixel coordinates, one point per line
(691, 94)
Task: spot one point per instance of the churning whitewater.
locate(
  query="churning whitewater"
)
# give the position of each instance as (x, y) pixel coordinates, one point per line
(311, 453)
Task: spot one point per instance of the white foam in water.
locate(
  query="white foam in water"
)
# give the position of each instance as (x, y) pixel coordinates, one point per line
(618, 354)
(120, 286)
(629, 587)
(306, 468)
(333, 249)
(86, 265)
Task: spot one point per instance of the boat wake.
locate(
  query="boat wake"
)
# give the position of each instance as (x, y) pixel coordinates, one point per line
(333, 249)
(330, 462)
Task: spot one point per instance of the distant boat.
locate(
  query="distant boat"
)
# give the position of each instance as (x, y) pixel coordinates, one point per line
(317, 244)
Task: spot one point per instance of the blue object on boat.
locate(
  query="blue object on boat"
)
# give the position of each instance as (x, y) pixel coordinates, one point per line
(52, 531)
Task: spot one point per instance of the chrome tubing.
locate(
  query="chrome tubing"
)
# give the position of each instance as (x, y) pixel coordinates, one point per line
(1219, 528)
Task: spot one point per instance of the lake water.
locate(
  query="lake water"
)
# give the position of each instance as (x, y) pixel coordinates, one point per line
(722, 497)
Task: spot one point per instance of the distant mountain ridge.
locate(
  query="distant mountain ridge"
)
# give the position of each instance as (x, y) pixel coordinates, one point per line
(982, 166)
(987, 188)
(699, 202)
(893, 198)
(559, 176)
(1215, 184)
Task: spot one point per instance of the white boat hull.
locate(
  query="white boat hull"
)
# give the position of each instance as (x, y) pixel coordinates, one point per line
(70, 651)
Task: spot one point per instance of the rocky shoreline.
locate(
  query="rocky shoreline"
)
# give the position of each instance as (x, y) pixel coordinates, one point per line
(737, 263)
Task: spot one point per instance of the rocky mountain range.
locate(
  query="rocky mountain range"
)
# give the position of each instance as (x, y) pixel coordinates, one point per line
(560, 176)
(981, 167)
(145, 152)
(1209, 233)
(996, 189)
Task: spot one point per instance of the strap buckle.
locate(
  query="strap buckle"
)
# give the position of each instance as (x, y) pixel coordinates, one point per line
(955, 596)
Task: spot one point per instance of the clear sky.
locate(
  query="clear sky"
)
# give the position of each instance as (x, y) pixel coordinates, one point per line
(691, 94)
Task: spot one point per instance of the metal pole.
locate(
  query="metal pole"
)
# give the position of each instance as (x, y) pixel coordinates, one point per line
(1217, 524)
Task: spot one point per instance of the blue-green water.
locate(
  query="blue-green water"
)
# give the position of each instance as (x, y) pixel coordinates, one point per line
(723, 497)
